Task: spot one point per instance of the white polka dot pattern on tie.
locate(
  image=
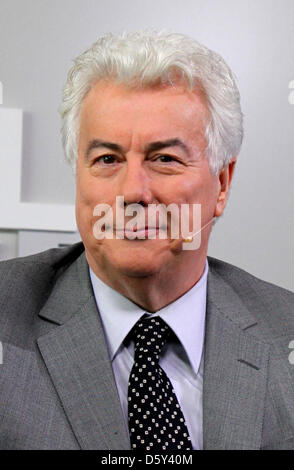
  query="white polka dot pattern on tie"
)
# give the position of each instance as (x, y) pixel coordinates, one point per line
(155, 419)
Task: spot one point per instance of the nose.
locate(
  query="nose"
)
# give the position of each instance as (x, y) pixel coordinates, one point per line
(135, 184)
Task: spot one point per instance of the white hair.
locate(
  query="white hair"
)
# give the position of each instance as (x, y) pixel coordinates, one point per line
(144, 59)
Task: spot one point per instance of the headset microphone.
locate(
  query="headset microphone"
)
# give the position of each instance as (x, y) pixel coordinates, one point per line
(190, 238)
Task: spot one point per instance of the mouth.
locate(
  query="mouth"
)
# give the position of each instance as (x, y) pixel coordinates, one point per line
(140, 232)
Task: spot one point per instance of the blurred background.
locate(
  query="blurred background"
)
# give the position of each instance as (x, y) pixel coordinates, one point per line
(39, 39)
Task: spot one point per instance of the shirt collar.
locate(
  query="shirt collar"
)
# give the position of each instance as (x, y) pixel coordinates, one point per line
(185, 316)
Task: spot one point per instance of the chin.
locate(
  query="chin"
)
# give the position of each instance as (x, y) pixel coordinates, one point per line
(135, 264)
(138, 272)
(132, 261)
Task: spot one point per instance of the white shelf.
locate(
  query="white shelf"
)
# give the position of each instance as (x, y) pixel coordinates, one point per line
(15, 214)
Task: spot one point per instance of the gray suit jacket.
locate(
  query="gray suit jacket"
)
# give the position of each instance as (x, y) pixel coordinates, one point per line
(57, 389)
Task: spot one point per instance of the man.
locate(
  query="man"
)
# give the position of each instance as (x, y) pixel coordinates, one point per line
(153, 119)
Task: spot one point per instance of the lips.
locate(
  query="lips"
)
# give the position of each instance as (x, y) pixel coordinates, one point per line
(144, 232)
(138, 229)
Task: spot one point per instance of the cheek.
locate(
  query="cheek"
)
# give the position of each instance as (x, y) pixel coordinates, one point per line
(200, 190)
(191, 189)
(85, 203)
(88, 191)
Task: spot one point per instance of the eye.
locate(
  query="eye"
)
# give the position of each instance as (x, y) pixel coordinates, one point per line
(106, 159)
(165, 159)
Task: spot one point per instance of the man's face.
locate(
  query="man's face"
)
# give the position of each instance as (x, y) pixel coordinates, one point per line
(151, 151)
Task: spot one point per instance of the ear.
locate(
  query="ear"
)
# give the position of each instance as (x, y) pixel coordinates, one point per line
(225, 177)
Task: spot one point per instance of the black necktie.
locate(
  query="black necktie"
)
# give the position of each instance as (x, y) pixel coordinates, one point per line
(156, 422)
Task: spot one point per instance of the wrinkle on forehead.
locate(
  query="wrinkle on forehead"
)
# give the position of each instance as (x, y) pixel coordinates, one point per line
(113, 109)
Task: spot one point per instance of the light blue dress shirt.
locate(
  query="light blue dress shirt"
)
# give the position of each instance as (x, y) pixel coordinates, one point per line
(182, 360)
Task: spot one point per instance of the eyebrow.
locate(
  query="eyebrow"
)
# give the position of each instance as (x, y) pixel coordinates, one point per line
(149, 148)
(153, 146)
(97, 143)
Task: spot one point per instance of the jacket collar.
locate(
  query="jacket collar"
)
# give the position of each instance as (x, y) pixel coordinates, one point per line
(76, 356)
(235, 371)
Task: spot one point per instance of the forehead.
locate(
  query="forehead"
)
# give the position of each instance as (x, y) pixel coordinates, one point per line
(110, 108)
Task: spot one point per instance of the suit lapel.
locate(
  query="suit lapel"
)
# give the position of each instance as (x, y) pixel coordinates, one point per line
(235, 372)
(73, 347)
(76, 356)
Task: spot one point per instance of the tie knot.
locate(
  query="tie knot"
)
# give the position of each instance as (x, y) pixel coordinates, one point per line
(150, 335)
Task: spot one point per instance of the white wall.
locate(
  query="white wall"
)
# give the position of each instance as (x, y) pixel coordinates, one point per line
(38, 40)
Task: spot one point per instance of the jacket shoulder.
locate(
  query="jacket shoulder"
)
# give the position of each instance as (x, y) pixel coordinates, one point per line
(238, 277)
(54, 257)
(272, 306)
(26, 284)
